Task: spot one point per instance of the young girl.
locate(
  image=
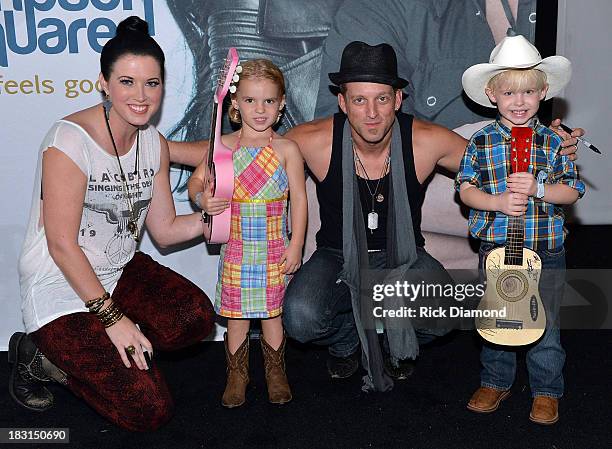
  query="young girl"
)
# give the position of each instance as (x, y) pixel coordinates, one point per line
(258, 256)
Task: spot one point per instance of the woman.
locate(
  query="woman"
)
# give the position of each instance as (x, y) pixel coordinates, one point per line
(102, 175)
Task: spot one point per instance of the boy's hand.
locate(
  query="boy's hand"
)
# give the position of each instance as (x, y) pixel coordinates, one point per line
(212, 205)
(510, 203)
(569, 146)
(522, 182)
(291, 259)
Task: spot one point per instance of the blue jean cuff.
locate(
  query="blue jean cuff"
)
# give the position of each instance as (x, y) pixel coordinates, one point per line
(547, 394)
(494, 386)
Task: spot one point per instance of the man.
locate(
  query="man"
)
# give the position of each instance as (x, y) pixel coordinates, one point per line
(320, 303)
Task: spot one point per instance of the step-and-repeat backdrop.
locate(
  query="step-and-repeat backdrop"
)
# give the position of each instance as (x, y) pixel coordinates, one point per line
(49, 64)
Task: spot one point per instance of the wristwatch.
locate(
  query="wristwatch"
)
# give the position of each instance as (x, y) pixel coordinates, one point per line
(541, 177)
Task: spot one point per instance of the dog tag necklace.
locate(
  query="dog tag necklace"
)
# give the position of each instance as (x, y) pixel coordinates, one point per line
(376, 195)
(132, 225)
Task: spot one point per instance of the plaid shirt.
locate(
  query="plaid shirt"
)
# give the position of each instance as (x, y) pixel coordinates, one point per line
(486, 165)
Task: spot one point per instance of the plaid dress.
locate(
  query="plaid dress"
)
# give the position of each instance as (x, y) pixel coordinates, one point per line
(250, 283)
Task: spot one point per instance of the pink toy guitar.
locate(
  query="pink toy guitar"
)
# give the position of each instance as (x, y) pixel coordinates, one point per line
(220, 173)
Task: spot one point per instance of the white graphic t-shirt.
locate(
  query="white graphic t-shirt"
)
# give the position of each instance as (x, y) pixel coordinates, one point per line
(103, 233)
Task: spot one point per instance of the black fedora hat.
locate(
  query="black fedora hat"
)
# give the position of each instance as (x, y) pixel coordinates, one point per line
(367, 63)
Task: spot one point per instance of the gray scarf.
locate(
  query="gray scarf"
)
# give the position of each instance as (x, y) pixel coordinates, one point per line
(401, 254)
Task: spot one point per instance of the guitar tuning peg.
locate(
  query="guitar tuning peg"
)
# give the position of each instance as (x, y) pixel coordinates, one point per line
(235, 78)
(239, 69)
(232, 89)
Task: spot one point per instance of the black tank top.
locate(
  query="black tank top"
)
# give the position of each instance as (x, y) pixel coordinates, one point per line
(329, 193)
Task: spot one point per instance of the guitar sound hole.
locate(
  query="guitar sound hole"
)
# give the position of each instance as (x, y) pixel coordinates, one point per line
(512, 286)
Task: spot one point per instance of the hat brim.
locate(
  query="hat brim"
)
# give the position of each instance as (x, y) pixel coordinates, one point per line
(339, 78)
(558, 70)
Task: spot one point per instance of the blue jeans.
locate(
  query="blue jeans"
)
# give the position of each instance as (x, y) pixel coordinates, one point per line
(317, 307)
(545, 358)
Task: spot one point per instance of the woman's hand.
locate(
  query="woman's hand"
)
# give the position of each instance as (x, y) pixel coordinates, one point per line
(124, 334)
(291, 260)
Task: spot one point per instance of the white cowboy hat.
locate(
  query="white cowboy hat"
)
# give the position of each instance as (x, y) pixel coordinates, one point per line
(515, 52)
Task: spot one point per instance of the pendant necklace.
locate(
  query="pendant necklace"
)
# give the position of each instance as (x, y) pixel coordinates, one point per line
(376, 195)
(132, 225)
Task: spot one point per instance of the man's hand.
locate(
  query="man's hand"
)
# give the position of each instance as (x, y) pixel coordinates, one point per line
(522, 182)
(570, 143)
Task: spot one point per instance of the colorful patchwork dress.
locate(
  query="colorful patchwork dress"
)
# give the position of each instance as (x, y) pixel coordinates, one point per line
(250, 283)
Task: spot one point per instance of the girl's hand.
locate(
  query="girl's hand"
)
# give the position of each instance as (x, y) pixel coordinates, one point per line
(123, 334)
(212, 205)
(522, 182)
(291, 260)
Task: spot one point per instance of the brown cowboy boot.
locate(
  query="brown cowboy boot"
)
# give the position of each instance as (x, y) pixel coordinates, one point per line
(276, 378)
(237, 374)
(29, 369)
(545, 410)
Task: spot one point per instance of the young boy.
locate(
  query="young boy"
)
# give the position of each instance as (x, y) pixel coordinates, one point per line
(515, 81)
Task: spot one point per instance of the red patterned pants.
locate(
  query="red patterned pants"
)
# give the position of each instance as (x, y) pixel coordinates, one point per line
(171, 311)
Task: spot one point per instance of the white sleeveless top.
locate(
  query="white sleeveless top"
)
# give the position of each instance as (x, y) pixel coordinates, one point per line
(103, 234)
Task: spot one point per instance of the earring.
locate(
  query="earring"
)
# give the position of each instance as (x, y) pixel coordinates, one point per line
(107, 104)
(280, 114)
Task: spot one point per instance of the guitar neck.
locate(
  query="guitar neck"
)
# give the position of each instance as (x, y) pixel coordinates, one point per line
(211, 139)
(520, 156)
(215, 130)
(515, 239)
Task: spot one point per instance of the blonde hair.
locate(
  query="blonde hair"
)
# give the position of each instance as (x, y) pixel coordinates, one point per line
(518, 79)
(258, 69)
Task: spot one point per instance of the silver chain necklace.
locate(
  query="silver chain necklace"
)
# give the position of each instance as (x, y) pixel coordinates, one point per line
(376, 195)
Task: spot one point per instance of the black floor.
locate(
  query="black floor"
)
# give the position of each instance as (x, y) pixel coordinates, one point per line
(426, 411)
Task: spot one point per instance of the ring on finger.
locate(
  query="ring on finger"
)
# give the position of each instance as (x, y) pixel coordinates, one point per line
(131, 350)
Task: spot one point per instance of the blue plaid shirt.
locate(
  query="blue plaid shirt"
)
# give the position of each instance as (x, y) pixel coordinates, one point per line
(486, 165)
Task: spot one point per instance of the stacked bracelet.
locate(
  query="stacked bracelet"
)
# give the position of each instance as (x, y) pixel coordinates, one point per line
(94, 305)
(108, 316)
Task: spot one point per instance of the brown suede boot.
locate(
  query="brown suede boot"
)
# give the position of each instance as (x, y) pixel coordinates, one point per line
(237, 374)
(276, 378)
